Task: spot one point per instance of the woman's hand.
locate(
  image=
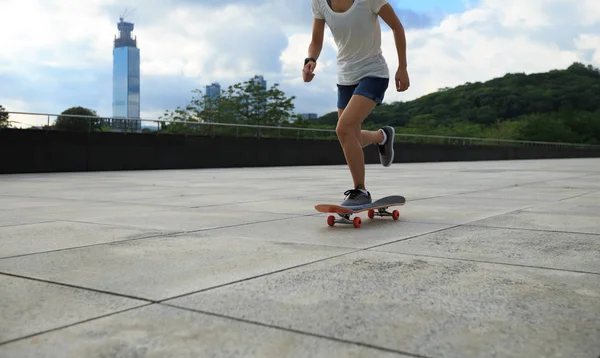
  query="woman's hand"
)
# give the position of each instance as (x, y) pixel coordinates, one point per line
(402, 80)
(308, 71)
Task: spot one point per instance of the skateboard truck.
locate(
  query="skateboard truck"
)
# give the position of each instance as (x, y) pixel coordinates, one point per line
(345, 218)
(383, 212)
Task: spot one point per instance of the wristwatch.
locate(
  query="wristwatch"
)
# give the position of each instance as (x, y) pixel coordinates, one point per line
(306, 60)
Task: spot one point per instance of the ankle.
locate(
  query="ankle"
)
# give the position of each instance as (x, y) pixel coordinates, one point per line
(383, 136)
(362, 188)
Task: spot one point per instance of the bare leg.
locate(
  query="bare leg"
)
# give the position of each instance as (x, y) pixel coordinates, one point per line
(367, 137)
(351, 137)
(370, 137)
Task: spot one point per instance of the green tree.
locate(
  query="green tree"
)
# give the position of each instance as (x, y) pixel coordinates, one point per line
(4, 118)
(77, 123)
(549, 128)
(245, 103)
(172, 121)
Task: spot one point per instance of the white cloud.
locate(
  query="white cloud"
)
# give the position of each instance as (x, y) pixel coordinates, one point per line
(54, 51)
(589, 43)
(496, 37)
(37, 32)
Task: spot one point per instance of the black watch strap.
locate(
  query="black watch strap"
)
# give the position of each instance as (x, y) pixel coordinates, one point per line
(306, 60)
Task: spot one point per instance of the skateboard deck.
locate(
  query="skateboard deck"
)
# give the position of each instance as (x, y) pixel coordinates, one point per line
(378, 207)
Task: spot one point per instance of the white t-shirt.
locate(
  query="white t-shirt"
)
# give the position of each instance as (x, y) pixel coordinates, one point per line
(357, 33)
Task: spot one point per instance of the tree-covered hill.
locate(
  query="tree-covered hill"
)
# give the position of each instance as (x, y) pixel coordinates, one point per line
(559, 105)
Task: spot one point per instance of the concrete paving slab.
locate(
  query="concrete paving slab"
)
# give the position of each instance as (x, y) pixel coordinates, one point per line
(79, 210)
(426, 306)
(9, 218)
(287, 206)
(74, 187)
(161, 268)
(41, 237)
(566, 207)
(592, 199)
(460, 209)
(29, 307)
(587, 182)
(164, 218)
(560, 216)
(161, 331)
(112, 194)
(546, 249)
(529, 192)
(8, 203)
(295, 230)
(253, 197)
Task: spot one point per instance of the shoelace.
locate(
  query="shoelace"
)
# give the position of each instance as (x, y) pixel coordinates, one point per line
(352, 193)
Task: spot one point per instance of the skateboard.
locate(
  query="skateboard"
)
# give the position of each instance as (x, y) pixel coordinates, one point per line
(378, 207)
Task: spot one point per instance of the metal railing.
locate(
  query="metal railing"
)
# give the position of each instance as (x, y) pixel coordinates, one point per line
(113, 124)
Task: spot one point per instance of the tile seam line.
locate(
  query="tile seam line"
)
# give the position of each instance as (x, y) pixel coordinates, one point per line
(579, 195)
(289, 217)
(349, 252)
(117, 226)
(138, 203)
(529, 229)
(153, 236)
(442, 229)
(39, 333)
(512, 186)
(29, 223)
(296, 331)
(487, 262)
(130, 297)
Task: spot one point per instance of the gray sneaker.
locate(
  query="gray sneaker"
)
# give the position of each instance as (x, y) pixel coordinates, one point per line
(386, 151)
(355, 197)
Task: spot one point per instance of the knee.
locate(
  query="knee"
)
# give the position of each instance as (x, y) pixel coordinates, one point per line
(345, 131)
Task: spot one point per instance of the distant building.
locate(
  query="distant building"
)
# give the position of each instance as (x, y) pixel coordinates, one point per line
(308, 115)
(213, 91)
(259, 80)
(126, 79)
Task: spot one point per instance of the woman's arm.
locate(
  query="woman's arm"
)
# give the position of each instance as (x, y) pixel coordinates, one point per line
(314, 49)
(388, 15)
(316, 42)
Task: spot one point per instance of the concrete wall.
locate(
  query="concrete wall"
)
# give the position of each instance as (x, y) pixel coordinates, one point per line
(31, 151)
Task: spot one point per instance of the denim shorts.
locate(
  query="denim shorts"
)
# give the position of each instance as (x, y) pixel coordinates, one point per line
(371, 87)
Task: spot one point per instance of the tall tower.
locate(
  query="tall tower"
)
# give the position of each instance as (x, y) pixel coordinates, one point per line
(126, 76)
(213, 90)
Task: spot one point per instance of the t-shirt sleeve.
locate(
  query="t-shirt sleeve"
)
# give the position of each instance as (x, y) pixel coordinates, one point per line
(316, 9)
(376, 5)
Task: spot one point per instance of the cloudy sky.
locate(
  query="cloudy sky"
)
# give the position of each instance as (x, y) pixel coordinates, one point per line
(58, 53)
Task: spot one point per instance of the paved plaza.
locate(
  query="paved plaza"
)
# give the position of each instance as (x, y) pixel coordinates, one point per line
(487, 259)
